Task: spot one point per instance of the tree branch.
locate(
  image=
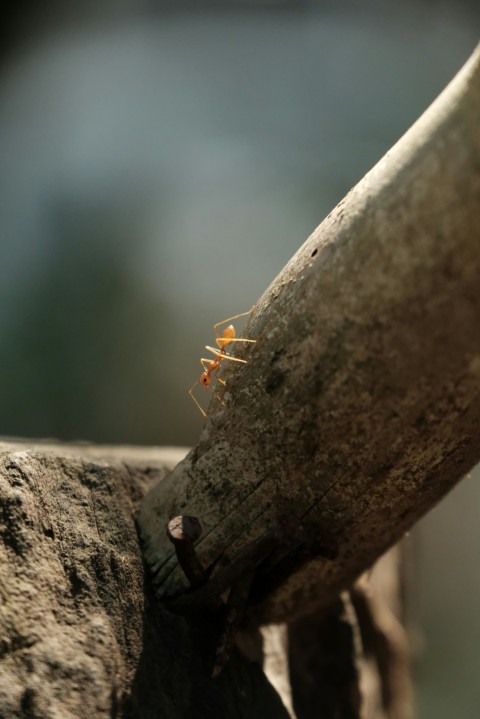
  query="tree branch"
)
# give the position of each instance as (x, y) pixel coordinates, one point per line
(80, 634)
(360, 406)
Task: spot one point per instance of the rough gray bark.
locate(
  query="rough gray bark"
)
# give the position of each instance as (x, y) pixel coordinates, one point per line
(80, 634)
(360, 406)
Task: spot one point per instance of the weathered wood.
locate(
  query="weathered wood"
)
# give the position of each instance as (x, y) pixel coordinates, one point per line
(360, 406)
(350, 659)
(81, 635)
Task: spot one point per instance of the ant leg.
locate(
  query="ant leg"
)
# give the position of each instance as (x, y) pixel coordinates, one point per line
(222, 342)
(240, 339)
(190, 392)
(225, 356)
(219, 379)
(229, 319)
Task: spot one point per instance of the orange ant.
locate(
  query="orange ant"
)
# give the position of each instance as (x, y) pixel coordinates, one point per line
(213, 366)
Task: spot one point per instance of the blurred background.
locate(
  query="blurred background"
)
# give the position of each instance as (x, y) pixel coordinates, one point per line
(160, 163)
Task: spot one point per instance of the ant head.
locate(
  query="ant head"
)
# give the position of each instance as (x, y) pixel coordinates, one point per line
(205, 380)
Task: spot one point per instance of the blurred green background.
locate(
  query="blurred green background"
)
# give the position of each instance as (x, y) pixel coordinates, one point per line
(160, 162)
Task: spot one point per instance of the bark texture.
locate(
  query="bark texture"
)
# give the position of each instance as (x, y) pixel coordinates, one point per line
(360, 406)
(81, 636)
(359, 409)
